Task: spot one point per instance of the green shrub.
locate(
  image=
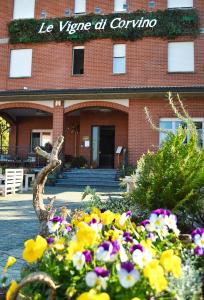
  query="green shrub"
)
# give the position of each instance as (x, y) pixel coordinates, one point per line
(78, 162)
(173, 177)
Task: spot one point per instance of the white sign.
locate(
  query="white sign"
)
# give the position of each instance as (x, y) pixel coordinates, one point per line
(118, 23)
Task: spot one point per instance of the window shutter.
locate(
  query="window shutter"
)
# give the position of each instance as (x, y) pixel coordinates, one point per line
(80, 6)
(24, 9)
(21, 63)
(180, 3)
(119, 5)
(181, 57)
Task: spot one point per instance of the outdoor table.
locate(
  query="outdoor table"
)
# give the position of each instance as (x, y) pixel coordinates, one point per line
(27, 176)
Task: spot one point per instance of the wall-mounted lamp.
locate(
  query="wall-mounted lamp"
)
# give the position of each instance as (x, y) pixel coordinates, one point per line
(152, 4)
(67, 12)
(98, 10)
(43, 14)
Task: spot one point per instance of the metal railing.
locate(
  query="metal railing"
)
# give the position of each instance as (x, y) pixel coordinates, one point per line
(20, 157)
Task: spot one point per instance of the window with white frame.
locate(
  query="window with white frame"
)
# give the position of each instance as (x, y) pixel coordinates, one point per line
(180, 3)
(78, 60)
(120, 5)
(119, 59)
(80, 6)
(40, 137)
(181, 57)
(172, 125)
(24, 9)
(21, 63)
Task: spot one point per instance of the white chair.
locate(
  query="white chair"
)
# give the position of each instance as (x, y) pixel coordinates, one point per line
(13, 182)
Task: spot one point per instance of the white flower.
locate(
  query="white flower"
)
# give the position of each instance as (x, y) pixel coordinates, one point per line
(123, 254)
(104, 255)
(53, 226)
(79, 260)
(199, 240)
(124, 217)
(93, 280)
(156, 222)
(128, 279)
(141, 258)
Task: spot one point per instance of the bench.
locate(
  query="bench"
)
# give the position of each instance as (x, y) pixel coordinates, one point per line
(13, 182)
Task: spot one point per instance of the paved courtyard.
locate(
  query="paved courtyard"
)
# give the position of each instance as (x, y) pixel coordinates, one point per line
(18, 221)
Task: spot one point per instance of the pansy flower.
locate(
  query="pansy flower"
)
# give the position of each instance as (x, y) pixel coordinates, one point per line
(55, 223)
(104, 251)
(140, 255)
(98, 277)
(198, 237)
(79, 260)
(124, 217)
(128, 275)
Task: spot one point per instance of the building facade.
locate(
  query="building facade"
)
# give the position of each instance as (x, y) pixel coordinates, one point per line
(93, 91)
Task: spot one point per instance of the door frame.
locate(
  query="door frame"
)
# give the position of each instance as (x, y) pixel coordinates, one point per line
(91, 149)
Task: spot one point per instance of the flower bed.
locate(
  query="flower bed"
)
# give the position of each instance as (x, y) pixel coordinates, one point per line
(103, 256)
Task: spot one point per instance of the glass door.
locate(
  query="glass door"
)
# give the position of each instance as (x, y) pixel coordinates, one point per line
(95, 146)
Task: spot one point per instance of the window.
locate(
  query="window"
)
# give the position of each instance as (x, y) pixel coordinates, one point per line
(80, 6)
(181, 57)
(21, 63)
(173, 125)
(120, 5)
(40, 138)
(24, 9)
(78, 61)
(180, 3)
(119, 59)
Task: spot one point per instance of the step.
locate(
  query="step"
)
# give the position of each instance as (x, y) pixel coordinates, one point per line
(90, 172)
(88, 176)
(99, 183)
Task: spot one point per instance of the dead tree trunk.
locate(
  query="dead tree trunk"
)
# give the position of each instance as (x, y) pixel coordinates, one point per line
(43, 212)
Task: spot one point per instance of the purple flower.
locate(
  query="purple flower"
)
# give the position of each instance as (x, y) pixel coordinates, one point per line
(151, 236)
(129, 213)
(136, 247)
(128, 266)
(105, 245)
(88, 256)
(93, 221)
(161, 211)
(57, 219)
(116, 247)
(199, 231)
(103, 210)
(127, 236)
(145, 223)
(198, 251)
(50, 240)
(101, 272)
(68, 228)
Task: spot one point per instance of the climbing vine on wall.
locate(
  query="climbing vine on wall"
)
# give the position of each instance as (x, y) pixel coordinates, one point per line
(170, 24)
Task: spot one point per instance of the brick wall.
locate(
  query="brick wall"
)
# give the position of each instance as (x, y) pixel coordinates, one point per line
(141, 136)
(52, 62)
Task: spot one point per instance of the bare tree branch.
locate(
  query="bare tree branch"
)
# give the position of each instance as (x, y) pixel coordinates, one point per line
(44, 213)
(36, 277)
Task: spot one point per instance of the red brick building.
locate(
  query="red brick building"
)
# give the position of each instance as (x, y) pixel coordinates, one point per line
(94, 92)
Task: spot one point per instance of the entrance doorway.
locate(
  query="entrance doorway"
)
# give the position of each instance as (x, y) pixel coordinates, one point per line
(103, 146)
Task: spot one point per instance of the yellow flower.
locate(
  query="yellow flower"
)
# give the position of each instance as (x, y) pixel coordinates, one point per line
(107, 217)
(148, 245)
(86, 235)
(155, 273)
(10, 262)
(96, 211)
(171, 263)
(88, 218)
(34, 249)
(91, 295)
(74, 246)
(135, 298)
(11, 290)
(59, 245)
(113, 234)
(78, 217)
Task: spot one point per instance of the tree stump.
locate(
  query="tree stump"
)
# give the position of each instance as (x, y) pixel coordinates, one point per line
(45, 212)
